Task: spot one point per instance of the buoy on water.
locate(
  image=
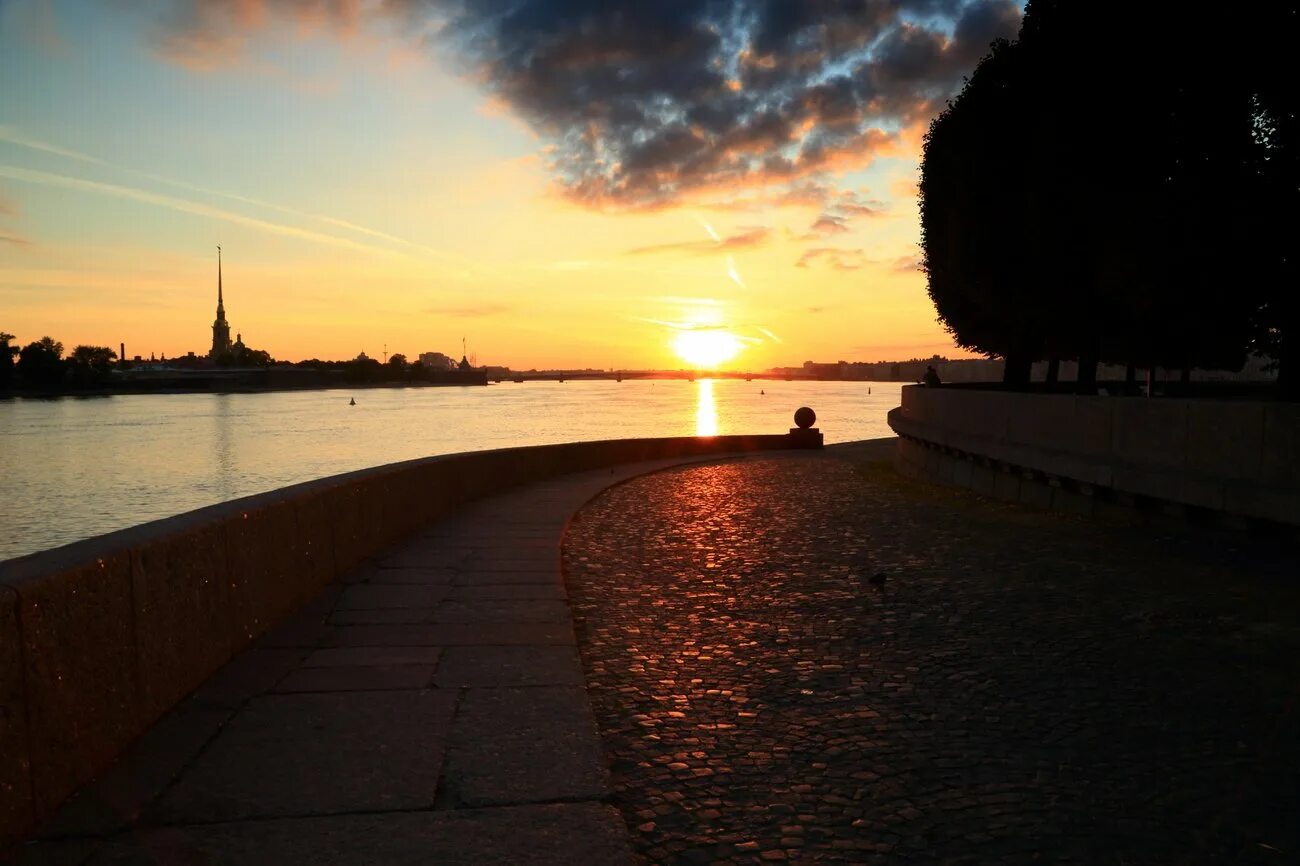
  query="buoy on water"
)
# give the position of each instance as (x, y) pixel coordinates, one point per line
(352, 402)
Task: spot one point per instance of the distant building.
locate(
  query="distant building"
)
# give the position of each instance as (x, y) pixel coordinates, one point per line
(220, 328)
(437, 361)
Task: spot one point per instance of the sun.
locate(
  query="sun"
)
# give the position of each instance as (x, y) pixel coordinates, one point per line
(706, 348)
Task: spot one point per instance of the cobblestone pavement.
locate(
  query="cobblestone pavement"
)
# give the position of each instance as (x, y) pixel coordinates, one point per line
(1023, 688)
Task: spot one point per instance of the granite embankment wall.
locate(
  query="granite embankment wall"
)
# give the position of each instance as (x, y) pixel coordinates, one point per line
(1083, 453)
(99, 638)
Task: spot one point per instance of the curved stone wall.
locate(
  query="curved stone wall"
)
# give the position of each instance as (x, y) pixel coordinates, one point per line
(1237, 458)
(99, 638)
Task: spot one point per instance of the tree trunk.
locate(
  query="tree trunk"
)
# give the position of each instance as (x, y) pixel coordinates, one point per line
(1287, 386)
(1087, 380)
(1015, 370)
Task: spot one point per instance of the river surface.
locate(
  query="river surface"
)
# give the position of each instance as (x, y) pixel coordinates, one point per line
(75, 467)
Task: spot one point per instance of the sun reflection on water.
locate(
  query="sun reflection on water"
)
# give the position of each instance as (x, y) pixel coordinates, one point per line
(706, 411)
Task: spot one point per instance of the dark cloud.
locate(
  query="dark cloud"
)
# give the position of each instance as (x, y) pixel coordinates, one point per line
(830, 224)
(647, 104)
(749, 237)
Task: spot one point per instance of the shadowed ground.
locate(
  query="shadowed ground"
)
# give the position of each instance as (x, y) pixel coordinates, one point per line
(1023, 688)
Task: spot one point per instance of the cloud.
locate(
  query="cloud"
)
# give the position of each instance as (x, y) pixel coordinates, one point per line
(830, 224)
(649, 104)
(839, 258)
(841, 207)
(13, 136)
(469, 310)
(205, 35)
(43, 178)
(907, 264)
(15, 240)
(750, 236)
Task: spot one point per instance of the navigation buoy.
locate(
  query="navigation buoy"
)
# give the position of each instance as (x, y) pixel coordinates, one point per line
(352, 402)
(761, 392)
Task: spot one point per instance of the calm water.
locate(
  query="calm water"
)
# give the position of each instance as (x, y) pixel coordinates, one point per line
(71, 468)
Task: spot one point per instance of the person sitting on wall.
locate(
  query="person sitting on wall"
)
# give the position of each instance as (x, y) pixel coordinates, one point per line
(931, 378)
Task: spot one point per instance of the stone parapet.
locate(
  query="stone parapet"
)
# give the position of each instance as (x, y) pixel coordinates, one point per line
(99, 638)
(1237, 458)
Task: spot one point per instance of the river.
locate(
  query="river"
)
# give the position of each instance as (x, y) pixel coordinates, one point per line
(75, 467)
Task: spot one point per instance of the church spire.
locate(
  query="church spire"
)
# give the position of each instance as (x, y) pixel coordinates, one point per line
(220, 327)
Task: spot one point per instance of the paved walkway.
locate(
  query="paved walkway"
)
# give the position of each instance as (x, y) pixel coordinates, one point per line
(1023, 688)
(430, 709)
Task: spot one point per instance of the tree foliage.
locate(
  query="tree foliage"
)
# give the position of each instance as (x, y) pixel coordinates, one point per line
(7, 353)
(91, 365)
(1100, 190)
(41, 363)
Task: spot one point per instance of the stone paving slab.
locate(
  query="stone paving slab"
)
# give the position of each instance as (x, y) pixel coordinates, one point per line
(454, 634)
(489, 577)
(372, 597)
(252, 672)
(550, 835)
(362, 678)
(381, 616)
(313, 754)
(475, 592)
(424, 576)
(503, 666)
(525, 745)
(118, 798)
(352, 704)
(501, 611)
(373, 655)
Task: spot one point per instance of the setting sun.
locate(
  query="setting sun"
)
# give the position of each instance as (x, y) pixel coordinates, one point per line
(706, 348)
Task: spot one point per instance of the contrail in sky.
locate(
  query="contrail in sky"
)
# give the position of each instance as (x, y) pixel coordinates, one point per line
(708, 228)
(43, 178)
(733, 273)
(8, 134)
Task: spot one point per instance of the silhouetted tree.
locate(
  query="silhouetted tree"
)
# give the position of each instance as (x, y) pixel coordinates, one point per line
(1082, 195)
(90, 365)
(397, 366)
(1275, 118)
(7, 353)
(41, 363)
(973, 216)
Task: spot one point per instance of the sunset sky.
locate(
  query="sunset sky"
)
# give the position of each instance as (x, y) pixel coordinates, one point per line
(566, 184)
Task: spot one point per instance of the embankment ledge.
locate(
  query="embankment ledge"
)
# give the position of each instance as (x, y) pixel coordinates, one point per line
(99, 638)
(1235, 459)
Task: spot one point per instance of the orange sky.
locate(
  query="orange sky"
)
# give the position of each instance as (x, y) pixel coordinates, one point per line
(367, 194)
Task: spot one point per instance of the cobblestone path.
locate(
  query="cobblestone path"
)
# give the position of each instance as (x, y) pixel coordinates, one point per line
(1024, 688)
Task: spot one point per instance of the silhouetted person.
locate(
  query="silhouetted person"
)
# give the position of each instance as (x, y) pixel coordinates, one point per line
(931, 378)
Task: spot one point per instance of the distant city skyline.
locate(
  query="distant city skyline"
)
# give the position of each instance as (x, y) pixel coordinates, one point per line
(376, 177)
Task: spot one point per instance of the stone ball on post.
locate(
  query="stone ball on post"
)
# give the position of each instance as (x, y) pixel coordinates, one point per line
(804, 417)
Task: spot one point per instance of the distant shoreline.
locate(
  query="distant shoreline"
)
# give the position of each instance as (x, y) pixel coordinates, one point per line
(171, 388)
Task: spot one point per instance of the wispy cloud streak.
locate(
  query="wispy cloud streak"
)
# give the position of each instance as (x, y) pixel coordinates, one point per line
(11, 136)
(43, 178)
